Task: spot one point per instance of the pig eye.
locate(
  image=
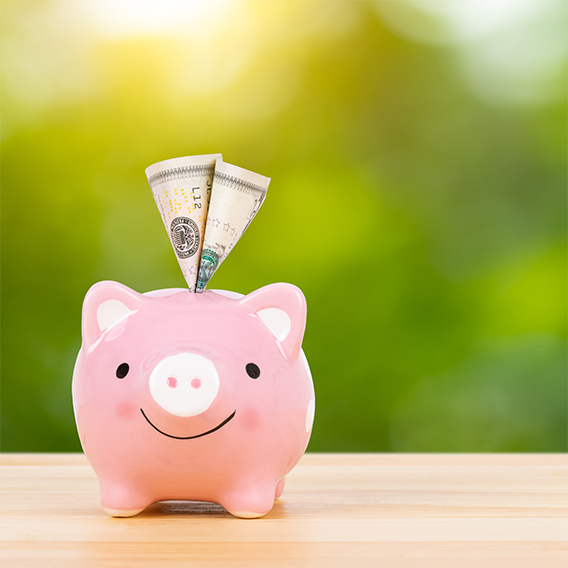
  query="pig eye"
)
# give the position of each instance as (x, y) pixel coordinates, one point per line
(253, 371)
(122, 370)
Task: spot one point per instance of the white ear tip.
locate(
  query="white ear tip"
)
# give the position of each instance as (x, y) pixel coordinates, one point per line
(109, 312)
(277, 320)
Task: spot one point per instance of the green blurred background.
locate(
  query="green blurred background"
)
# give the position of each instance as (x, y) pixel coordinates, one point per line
(417, 151)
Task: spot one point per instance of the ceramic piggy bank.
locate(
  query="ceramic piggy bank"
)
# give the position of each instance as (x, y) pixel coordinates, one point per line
(204, 397)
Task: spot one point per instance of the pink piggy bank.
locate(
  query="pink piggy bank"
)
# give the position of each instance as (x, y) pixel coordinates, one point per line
(204, 397)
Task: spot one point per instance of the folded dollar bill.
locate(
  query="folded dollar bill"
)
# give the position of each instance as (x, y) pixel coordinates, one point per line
(182, 190)
(236, 197)
(206, 205)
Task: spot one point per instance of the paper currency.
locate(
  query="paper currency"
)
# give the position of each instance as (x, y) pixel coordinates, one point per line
(236, 197)
(182, 190)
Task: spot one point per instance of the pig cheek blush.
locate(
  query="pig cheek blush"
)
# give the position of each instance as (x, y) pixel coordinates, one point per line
(126, 410)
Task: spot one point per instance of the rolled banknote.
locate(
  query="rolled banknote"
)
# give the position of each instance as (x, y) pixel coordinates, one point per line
(182, 189)
(236, 197)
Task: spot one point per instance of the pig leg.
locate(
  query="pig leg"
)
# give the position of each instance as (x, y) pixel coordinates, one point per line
(280, 488)
(250, 501)
(122, 500)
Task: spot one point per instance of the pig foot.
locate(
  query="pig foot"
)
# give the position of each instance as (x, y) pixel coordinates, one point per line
(280, 488)
(250, 502)
(122, 512)
(119, 500)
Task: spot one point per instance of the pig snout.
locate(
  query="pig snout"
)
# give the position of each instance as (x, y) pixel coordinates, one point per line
(185, 384)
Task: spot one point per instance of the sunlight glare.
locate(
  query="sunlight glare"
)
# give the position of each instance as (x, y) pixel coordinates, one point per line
(155, 17)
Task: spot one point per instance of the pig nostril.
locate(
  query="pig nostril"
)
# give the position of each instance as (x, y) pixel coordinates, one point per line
(196, 383)
(172, 382)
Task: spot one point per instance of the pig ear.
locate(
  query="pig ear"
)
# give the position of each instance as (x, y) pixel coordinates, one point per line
(282, 309)
(105, 304)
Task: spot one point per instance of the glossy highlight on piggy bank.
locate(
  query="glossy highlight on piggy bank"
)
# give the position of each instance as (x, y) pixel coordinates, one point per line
(182, 396)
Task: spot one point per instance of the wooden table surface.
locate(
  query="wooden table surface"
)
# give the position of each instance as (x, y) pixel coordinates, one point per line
(378, 510)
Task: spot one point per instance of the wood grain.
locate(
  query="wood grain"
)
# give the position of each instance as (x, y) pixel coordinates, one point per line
(374, 510)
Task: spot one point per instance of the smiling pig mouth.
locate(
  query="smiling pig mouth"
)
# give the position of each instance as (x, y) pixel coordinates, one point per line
(190, 437)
